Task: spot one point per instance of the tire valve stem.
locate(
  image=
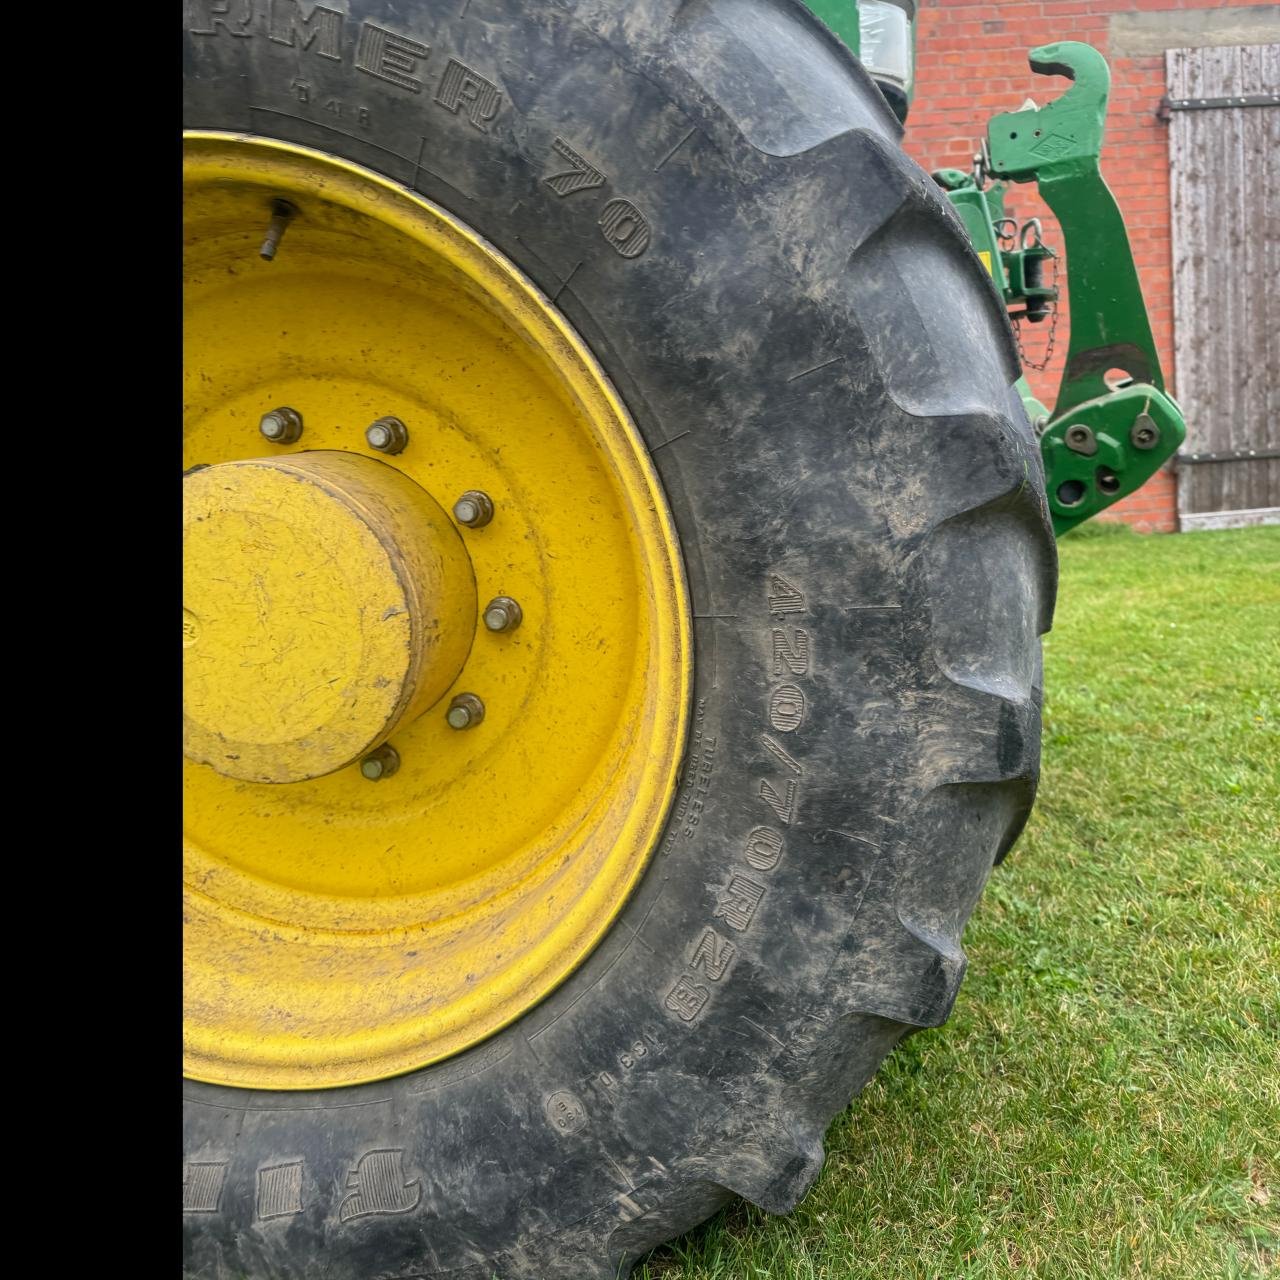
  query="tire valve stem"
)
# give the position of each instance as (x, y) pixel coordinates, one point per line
(380, 764)
(465, 711)
(281, 212)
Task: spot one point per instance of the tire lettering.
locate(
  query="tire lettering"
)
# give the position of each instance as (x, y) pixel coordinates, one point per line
(377, 1186)
(231, 16)
(460, 86)
(786, 708)
(783, 597)
(780, 755)
(737, 903)
(691, 814)
(279, 1190)
(399, 60)
(790, 652)
(628, 1060)
(783, 805)
(764, 849)
(323, 28)
(581, 175)
(566, 1112)
(202, 1185)
(625, 228)
(686, 999)
(713, 955)
(391, 57)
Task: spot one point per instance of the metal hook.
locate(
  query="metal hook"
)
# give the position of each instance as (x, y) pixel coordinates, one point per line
(1035, 144)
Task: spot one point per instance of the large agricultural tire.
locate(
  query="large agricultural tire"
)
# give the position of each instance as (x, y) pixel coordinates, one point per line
(824, 378)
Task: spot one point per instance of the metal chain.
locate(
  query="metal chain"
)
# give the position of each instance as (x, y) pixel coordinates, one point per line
(1053, 328)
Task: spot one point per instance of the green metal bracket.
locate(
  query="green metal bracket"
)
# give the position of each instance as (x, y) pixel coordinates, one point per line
(1112, 393)
(1058, 147)
(981, 209)
(1106, 448)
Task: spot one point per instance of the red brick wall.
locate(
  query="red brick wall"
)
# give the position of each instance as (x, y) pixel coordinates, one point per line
(971, 63)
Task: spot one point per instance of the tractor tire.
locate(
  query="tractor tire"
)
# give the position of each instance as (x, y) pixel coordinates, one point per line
(823, 375)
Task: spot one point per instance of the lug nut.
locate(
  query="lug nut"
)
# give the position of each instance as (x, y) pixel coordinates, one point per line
(281, 426)
(381, 763)
(465, 711)
(502, 613)
(474, 509)
(387, 435)
(1144, 433)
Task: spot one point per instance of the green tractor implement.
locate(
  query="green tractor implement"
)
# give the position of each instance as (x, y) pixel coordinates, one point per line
(1113, 423)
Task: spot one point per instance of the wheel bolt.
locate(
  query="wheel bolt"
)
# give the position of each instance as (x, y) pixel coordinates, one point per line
(281, 426)
(381, 763)
(465, 711)
(387, 435)
(502, 613)
(474, 509)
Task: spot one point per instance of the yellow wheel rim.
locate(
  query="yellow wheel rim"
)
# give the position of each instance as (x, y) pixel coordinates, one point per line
(340, 929)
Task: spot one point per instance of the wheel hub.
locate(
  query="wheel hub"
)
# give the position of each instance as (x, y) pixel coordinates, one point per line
(328, 599)
(437, 643)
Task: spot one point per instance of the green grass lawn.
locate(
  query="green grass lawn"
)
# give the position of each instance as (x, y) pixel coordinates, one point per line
(1105, 1100)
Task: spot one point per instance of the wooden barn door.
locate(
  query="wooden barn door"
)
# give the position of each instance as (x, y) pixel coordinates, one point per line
(1224, 151)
